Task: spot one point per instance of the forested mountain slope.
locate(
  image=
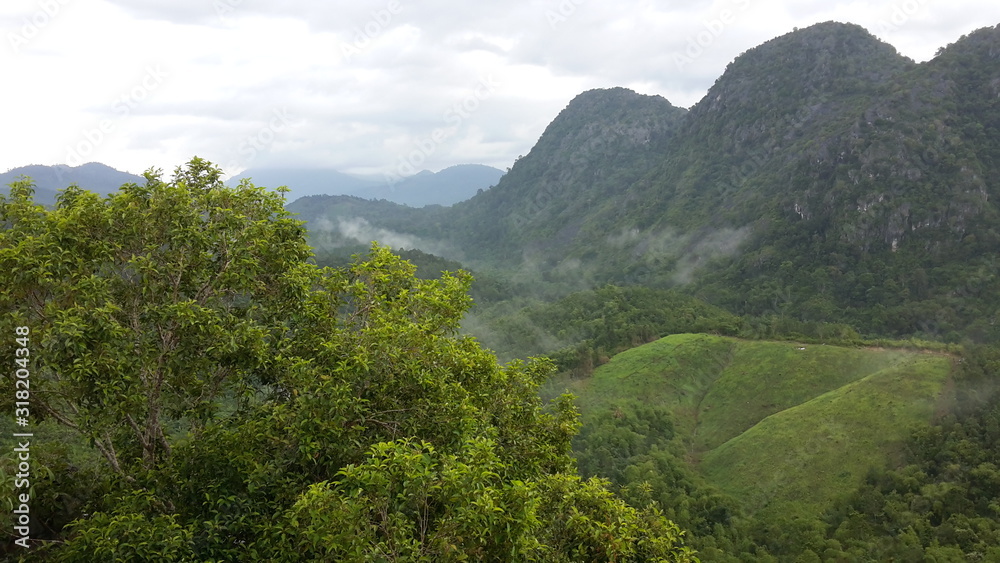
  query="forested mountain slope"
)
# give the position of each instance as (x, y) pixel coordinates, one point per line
(822, 177)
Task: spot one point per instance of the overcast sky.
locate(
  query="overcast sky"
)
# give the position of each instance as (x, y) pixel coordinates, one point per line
(376, 87)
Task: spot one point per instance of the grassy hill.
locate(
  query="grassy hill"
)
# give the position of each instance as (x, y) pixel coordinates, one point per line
(777, 425)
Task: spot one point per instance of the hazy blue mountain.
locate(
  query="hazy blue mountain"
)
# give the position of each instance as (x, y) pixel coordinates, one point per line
(92, 176)
(449, 186)
(304, 181)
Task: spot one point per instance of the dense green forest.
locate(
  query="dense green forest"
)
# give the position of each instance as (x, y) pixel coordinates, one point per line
(826, 192)
(199, 391)
(760, 329)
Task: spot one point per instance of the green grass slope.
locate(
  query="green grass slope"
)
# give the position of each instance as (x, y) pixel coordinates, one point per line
(799, 459)
(775, 424)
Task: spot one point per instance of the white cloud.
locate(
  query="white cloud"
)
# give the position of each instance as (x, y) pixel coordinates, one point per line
(360, 230)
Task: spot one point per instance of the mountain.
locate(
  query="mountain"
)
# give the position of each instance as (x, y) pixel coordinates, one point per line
(304, 182)
(601, 142)
(876, 205)
(707, 171)
(446, 187)
(92, 176)
(603, 138)
(823, 177)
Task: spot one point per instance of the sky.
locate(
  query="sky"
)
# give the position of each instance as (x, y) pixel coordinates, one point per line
(384, 87)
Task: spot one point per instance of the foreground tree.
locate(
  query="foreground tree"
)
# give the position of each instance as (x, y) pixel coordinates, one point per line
(315, 414)
(148, 305)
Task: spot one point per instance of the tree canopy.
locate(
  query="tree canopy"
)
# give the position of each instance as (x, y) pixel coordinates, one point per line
(254, 406)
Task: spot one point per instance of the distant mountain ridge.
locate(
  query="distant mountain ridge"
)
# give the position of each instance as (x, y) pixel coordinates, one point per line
(446, 187)
(302, 182)
(48, 180)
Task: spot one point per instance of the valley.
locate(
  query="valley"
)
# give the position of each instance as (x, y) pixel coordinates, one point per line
(763, 304)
